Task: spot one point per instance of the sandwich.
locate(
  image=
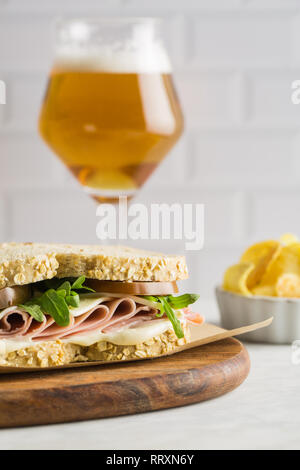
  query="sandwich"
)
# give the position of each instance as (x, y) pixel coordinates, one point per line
(64, 304)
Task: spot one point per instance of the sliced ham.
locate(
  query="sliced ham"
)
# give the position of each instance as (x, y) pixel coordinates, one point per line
(141, 315)
(14, 295)
(192, 317)
(116, 310)
(14, 322)
(108, 316)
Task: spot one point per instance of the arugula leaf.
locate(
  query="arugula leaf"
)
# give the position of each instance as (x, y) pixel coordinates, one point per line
(55, 306)
(65, 286)
(73, 299)
(168, 303)
(56, 301)
(61, 292)
(66, 283)
(155, 299)
(34, 310)
(172, 317)
(182, 301)
(165, 307)
(78, 284)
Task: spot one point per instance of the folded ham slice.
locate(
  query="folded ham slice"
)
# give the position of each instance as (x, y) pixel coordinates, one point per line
(15, 322)
(142, 314)
(111, 315)
(192, 317)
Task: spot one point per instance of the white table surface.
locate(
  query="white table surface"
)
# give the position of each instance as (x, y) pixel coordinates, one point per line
(263, 413)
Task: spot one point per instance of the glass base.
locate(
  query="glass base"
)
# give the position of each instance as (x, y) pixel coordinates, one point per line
(109, 195)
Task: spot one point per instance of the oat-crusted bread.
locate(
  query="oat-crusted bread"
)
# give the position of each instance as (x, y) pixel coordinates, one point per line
(24, 263)
(58, 353)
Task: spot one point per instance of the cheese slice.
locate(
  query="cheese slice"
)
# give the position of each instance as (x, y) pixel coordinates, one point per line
(127, 336)
(86, 303)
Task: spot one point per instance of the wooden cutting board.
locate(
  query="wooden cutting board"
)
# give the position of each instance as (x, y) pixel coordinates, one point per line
(66, 395)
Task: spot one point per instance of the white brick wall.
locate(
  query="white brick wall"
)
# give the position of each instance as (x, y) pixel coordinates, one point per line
(267, 95)
(28, 163)
(54, 215)
(274, 211)
(209, 98)
(234, 61)
(242, 39)
(244, 159)
(24, 98)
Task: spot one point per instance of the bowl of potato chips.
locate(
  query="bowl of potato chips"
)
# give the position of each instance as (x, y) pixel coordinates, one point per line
(264, 283)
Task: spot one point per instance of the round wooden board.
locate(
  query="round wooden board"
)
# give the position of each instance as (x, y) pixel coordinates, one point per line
(66, 395)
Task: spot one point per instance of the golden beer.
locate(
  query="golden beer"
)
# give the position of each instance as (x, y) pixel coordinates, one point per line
(110, 127)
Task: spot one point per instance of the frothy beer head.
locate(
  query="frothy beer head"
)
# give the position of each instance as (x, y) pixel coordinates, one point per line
(110, 111)
(142, 52)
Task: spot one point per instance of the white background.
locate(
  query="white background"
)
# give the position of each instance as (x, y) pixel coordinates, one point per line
(234, 61)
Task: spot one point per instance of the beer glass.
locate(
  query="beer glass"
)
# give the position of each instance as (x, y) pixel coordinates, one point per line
(110, 111)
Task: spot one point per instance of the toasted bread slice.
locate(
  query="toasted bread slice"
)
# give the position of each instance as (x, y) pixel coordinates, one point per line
(24, 263)
(58, 353)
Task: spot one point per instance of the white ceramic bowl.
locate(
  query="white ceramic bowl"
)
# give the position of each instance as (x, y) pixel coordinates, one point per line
(237, 310)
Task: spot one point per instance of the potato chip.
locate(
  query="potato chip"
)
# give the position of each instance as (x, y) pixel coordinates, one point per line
(288, 261)
(257, 251)
(270, 268)
(288, 239)
(261, 255)
(288, 285)
(235, 278)
(265, 291)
